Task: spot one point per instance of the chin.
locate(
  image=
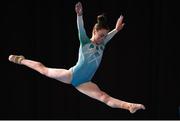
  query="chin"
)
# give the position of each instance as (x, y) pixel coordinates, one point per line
(99, 42)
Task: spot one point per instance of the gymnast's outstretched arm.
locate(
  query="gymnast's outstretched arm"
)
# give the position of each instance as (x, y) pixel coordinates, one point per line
(80, 23)
(119, 26)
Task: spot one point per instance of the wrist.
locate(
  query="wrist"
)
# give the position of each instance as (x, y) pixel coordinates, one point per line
(116, 30)
(79, 14)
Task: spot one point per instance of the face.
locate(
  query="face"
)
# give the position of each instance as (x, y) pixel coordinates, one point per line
(99, 35)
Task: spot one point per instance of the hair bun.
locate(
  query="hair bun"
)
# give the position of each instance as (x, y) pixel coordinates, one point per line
(101, 19)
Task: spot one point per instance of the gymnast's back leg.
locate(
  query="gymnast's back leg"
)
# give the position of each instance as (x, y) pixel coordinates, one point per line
(62, 75)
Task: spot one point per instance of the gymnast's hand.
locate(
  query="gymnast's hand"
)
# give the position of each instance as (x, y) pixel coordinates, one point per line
(120, 24)
(79, 9)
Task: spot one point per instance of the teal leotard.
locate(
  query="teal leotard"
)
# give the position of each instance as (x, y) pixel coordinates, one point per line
(90, 55)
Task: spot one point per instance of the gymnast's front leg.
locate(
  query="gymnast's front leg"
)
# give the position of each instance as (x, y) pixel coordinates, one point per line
(92, 90)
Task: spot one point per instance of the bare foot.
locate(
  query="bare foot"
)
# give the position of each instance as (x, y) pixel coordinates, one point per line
(134, 107)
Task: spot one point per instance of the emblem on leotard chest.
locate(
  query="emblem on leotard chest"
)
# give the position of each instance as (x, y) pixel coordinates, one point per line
(97, 47)
(93, 52)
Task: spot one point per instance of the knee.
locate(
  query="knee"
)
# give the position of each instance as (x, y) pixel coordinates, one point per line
(107, 99)
(42, 69)
(104, 97)
(39, 64)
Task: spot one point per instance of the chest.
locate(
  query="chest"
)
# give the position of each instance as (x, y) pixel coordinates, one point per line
(93, 49)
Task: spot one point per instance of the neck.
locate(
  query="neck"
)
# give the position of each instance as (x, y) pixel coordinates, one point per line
(93, 41)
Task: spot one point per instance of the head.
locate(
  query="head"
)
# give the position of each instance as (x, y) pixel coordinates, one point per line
(100, 29)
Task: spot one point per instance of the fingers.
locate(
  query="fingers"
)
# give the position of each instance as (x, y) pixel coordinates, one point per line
(120, 19)
(79, 4)
(120, 23)
(78, 8)
(123, 25)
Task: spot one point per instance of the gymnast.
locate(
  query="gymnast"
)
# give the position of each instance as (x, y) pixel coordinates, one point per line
(89, 58)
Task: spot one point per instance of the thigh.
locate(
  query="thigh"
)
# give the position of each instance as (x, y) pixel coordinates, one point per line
(90, 89)
(62, 75)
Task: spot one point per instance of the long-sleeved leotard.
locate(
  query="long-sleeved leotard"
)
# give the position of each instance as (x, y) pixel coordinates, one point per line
(90, 55)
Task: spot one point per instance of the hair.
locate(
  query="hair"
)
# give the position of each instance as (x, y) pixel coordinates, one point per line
(101, 23)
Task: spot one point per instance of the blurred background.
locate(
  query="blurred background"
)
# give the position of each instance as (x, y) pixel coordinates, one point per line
(140, 64)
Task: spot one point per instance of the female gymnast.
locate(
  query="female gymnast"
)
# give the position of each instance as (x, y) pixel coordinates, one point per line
(90, 55)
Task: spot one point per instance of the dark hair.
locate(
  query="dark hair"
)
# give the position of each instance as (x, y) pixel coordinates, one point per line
(101, 22)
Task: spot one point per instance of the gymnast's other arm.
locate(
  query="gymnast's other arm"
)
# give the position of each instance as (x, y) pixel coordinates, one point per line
(119, 26)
